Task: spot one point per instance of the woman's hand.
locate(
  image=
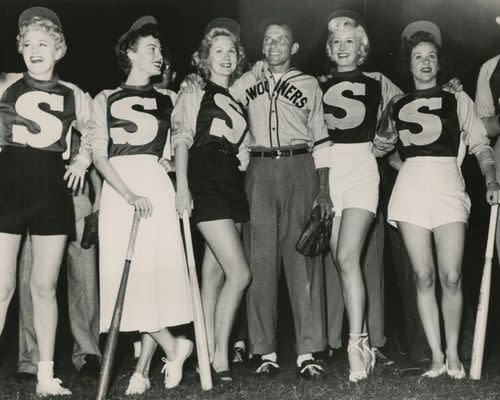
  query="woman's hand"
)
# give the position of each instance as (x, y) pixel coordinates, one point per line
(183, 200)
(192, 83)
(75, 175)
(166, 164)
(142, 205)
(492, 193)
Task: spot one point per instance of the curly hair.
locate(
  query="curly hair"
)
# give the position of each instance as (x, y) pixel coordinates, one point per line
(200, 57)
(42, 24)
(343, 24)
(407, 45)
(130, 43)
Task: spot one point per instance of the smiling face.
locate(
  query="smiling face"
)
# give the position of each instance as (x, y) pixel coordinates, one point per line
(146, 59)
(344, 49)
(222, 58)
(40, 53)
(424, 65)
(278, 47)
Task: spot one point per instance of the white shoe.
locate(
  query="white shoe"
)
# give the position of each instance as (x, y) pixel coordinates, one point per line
(51, 387)
(434, 373)
(455, 373)
(138, 384)
(173, 369)
(356, 343)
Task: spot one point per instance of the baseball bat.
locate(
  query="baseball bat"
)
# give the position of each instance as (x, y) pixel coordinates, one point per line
(200, 331)
(114, 329)
(484, 299)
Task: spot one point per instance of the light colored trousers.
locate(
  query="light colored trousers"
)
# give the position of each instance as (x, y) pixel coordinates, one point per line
(83, 302)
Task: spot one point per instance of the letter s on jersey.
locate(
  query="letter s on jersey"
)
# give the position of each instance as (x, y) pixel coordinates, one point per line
(355, 109)
(147, 124)
(219, 127)
(51, 127)
(431, 124)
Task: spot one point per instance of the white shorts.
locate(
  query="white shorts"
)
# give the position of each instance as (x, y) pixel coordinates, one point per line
(354, 177)
(429, 192)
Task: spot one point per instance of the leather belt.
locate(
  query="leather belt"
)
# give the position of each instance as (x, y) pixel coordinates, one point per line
(277, 154)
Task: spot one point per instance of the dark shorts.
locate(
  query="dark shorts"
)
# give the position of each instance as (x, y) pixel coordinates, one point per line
(216, 185)
(33, 194)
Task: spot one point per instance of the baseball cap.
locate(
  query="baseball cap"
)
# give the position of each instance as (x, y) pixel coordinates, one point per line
(230, 24)
(42, 12)
(138, 24)
(422, 26)
(347, 14)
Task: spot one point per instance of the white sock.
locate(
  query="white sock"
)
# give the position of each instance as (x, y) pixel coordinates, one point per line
(270, 357)
(45, 370)
(240, 344)
(303, 357)
(137, 349)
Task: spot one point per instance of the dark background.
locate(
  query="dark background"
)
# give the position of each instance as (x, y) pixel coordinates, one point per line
(92, 27)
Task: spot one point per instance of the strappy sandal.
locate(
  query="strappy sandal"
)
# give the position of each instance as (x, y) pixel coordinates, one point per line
(355, 343)
(368, 352)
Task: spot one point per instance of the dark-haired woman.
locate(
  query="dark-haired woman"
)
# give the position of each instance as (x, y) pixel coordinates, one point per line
(208, 128)
(130, 138)
(429, 204)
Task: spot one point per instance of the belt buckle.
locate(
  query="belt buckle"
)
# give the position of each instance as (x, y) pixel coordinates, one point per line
(278, 154)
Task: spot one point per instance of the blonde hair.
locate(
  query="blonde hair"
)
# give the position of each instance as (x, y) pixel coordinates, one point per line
(200, 58)
(42, 24)
(343, 24)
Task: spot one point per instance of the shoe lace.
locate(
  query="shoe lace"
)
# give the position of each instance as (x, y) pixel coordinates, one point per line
(238, 354)
(265, 366)
(165, 366)
(312, 369)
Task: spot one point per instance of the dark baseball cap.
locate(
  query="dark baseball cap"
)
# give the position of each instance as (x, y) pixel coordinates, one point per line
(422, 26)
(42, 12)
(347, 14)
(138, 24)
(227, 23)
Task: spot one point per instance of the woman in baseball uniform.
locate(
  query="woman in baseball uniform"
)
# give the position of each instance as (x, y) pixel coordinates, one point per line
(129, 140)
(353, 102)
(429, 204)
(208, 130)
(37, 111)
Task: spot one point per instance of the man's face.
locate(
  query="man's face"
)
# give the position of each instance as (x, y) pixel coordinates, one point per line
(278, 45)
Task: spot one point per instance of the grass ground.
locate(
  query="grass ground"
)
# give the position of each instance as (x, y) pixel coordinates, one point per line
(391, 382)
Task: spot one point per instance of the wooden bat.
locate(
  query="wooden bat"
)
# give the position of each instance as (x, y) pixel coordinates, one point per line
(200, 331)
(114, 329)
(484, 299)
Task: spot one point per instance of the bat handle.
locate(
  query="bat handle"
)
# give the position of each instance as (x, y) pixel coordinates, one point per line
(114, 329)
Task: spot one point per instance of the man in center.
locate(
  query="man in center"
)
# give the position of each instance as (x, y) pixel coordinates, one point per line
(287, 175)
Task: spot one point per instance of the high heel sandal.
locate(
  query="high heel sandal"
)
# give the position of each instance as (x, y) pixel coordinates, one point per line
(434, 373)
(356, 343)
(368, 352)
(455, 373)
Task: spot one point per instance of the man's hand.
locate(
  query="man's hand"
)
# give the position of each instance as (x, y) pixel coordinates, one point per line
(324, 201)
(381, 148)
(75, 175)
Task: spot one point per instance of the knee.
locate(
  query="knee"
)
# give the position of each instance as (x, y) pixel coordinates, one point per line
(213, 275)
(451, 281)
(424, 280)
(240, 279)
(43, 290)
(347, 259)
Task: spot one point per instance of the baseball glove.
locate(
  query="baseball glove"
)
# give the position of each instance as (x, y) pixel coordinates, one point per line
(90, 231)
(315, 238)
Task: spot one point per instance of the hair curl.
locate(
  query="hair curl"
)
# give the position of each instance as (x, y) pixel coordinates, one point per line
(343, 24)
(42, 24)
(408, 45)
(130, 43)
(200, 57)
